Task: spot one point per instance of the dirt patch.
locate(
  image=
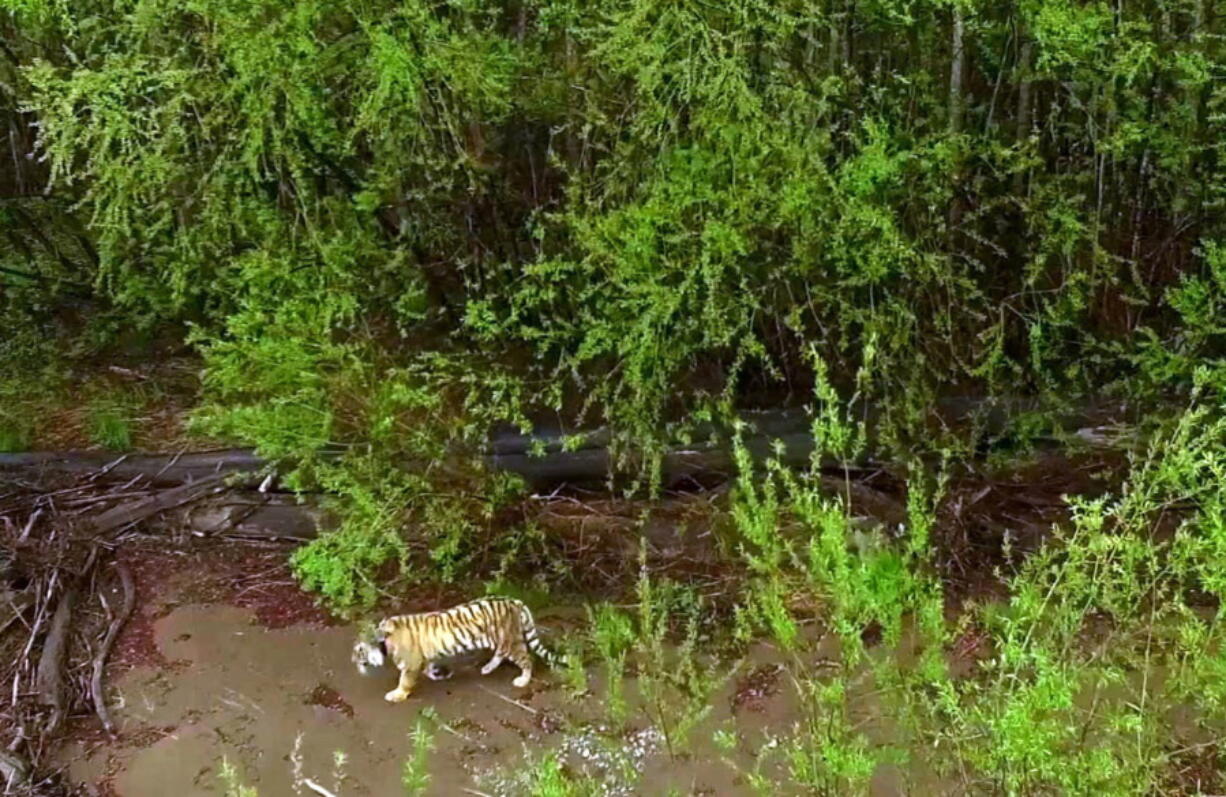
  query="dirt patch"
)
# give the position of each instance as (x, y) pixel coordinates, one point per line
(151, 569)
(988, 520)
(1198, 769)
(600, 541)
(156, 396)
(207, 572)
(325, 696)
(248, 576)
(753, 689)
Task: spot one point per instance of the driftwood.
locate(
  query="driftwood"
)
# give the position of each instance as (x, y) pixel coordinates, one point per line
(50, 538)
(49, 680)
(52, 529)
(117, 623)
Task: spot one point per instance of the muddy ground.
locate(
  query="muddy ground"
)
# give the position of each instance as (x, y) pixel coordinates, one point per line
(226, 659)
(233, 662)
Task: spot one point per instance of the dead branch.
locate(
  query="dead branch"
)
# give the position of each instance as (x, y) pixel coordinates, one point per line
(117, 623)
(132, 512)
(48, 679)
(18, 607)
(14, 771)
(161, 470)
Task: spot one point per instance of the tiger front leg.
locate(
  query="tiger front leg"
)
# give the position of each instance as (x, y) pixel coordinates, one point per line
(408, 678)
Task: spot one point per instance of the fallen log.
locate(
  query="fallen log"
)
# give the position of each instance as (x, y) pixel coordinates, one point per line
(161, 470)
(583, 465)
(711, 459)
(253, 515)
(551, 454)
(198, 476)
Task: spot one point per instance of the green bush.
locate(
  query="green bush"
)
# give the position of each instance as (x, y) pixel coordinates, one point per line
(388, 225)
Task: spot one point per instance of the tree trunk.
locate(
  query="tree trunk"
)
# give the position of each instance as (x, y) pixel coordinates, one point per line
(957, 69)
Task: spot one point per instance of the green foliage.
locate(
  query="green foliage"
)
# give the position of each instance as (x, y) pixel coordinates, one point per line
(1195, 353)
(575, 673)
(15, 432)
(404, 492)
(675, 683)
(613, 634)
(790, 523)
(232, 783)
(571, 186)
(389, 226)
(831, 756)
(1069, 700)
(109, 421)
(415, 777)
(548, 779)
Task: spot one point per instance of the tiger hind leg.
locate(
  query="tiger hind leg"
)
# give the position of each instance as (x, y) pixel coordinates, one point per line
(493, 663)
(522, 659)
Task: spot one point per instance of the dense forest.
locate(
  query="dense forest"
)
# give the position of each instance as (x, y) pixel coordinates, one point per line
(367, 233)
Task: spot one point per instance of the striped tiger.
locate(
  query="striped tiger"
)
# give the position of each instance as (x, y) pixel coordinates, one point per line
(414, 641)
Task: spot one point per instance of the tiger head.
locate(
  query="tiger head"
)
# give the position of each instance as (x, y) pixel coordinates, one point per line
(369, 651)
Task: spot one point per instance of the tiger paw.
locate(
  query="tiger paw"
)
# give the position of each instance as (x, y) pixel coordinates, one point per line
(395, 696)
(522, 680)
(438, 672)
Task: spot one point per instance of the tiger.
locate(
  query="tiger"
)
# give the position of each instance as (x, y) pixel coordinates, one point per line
(414, 641)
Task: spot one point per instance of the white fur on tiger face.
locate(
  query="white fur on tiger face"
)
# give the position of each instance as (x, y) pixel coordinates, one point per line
(367, 655)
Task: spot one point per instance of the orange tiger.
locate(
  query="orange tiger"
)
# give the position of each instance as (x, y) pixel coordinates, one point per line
(414, 641)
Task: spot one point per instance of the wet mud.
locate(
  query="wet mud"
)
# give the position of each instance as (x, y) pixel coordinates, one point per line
(283, 704)
(227, 660)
